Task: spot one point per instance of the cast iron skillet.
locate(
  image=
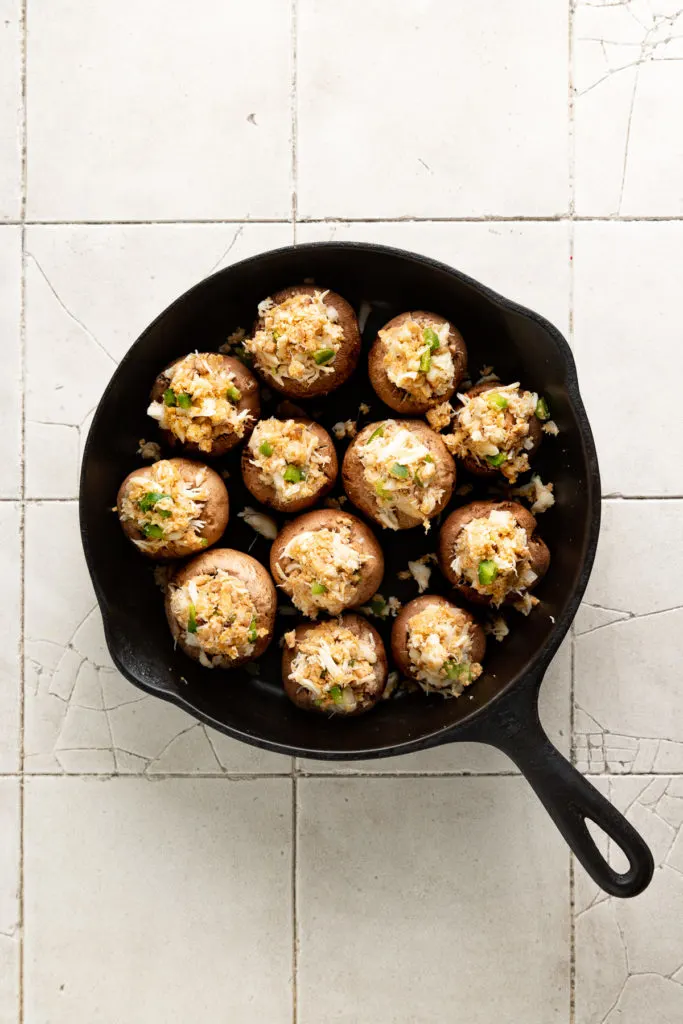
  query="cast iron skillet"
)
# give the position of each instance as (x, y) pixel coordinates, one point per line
(502, 707)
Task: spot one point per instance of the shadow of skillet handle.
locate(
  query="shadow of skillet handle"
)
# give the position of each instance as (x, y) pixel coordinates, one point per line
(512, 725)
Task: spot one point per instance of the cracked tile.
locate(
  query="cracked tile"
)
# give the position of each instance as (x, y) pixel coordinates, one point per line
(628, 79)
(527, 262)
(471, 147)
(441, 872)
(625, 275)
(10, 382)
(10, 627)
(9, 902)
(10, 111)
(90, 291)
(159, 145)
(628, 952)
(177, 868)
(80, 715)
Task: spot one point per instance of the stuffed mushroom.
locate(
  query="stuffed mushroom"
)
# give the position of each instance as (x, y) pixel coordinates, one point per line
(306, 341)
(489, 551)
(438, 645)
(399, 473)
(221, 608)
(338, 666)
(205, 402)
(289, 464)
(173, 508)
(417, 362)
(327, 561)
(496, 429)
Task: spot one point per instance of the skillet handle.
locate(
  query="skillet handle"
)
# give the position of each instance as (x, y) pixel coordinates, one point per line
(568, 797)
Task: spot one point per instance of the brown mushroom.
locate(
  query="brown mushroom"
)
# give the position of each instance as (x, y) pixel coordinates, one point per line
(289, 465)
(455, 673)
(480, 466)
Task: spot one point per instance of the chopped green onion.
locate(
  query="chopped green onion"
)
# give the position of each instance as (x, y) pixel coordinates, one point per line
(417, 480)
(276, 335)
(335, 692)
(152, 531)
(496, 401)
(234, 393)
(323, 355)
(432, 338)
(204, 541)
(252, 635)
(399, 471)
(164, 513)
(266, 449)
(379, 432)
(318, 588)
(184, 401)
(170, 397)
(458, 670)
(496, 460)
(381, 491)
(192, 619)
(149, 500)
(425, 362)
(378, 604)
(487, 572)
(292, 475)
(542, 410)
(428, 458)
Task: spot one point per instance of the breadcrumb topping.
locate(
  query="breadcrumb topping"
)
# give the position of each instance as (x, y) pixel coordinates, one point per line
(336, 666)
(322, 570)
(492, 556)
(290, 457)
(201, 402)
(493, 428)
(440, 416)
(400, 471)
(439, 647)
(166, 507)
(218, 615)
(298, 339)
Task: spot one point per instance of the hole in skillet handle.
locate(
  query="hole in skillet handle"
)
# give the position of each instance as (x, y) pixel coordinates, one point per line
(512, 724)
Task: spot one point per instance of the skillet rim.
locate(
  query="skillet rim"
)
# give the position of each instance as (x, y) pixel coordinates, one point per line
(537, 662)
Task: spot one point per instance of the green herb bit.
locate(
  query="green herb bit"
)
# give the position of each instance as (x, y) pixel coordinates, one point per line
(496, 460)
(399, 471)
(292, 475)
(252, 635)
(149, 500)
(425, 362)
(496, 401)
(487, 572)
(417, 479)
(378, 604)
(428, 458)
(335, 692)
(318, 588)
(323, 355)
(233, 393)
(192, 619)
(276, 335)
(432, 338)
(152, 531)
(170, 397)
(379, 432)
(381, 491)
(185, 401)
(266, 449)
(164, 513)
(542, 410)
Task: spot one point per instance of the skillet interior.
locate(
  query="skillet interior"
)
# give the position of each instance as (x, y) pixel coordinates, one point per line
(521, 346)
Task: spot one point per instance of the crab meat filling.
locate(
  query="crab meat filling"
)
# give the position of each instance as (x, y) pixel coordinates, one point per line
(324, 572)
(290, 458)
(400, 471)
(492, 556)
(166, 507)
(439, 648)
(298, 339)
(418, 359)
(336, 667)
(201, 402)
(218, 615)
(493, 428)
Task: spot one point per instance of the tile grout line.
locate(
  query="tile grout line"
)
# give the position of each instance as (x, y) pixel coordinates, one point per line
(571, 155)
(294, 113)
(402, 219)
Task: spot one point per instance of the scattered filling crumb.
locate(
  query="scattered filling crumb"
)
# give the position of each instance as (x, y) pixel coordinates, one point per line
(418, 359)
(497, 627)
(345, 428)
(539, 494)
(420, 570)
(551, 428)
(336, 503)
(218, 615)
(492, 556)
(493, 428)
(298, 339)
(364, 408)
(381, 607)
(322, 570)
(149, 449)
(290, 458)
(259, 522)
(201, 402)
(526, 604)
(166, 507)
(440, 416)
(439, 647)
(336, 666)
(400, 471)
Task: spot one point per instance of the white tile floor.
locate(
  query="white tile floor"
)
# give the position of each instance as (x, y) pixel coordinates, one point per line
(152, 870)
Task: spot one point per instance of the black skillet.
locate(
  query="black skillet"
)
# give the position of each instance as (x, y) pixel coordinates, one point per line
(502, 707)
